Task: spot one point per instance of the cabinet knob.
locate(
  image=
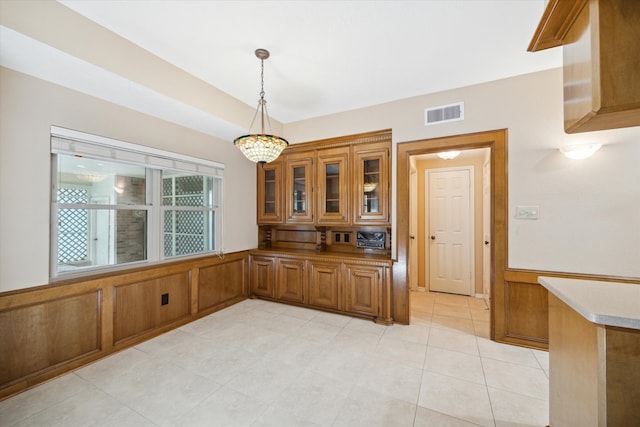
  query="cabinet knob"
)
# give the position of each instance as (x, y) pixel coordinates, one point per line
(433, 237)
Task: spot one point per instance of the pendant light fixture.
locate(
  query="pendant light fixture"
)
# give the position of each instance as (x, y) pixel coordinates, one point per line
(260, 147)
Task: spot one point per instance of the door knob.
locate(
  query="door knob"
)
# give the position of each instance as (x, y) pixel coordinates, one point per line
(433, 237)
(486, 242)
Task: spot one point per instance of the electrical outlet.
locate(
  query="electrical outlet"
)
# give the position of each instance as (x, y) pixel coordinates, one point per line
(164, 299)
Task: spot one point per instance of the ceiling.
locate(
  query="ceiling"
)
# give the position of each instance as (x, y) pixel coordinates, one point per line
(327, 56)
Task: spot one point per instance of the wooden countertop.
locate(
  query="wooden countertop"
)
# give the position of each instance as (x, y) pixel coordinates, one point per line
(605, 303)
(313, 254)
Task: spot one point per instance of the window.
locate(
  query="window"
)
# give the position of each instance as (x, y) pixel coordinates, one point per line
(116, 204)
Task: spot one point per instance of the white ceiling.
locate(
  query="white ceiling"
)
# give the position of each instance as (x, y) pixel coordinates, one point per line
(332, 56)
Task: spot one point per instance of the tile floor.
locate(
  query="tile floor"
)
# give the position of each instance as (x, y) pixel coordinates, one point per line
(260, 363)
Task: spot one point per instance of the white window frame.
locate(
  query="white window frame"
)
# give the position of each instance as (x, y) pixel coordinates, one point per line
(71, 142)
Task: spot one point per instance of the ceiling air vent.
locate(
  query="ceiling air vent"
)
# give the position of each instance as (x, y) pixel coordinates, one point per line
(444, 113)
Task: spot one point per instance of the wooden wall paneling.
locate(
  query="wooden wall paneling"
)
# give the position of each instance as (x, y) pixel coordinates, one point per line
(222, 282)
(47, 334)
(527, 313)
(622, 378)
(138, 306)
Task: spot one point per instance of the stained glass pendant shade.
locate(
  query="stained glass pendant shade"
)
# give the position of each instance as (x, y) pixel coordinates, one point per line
(261, 148)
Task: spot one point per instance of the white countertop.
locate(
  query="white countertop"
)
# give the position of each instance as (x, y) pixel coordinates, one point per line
(605, 303)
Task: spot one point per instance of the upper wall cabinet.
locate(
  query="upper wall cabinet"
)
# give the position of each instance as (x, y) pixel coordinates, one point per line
(601, 60)
(338, 181)
(270, 193)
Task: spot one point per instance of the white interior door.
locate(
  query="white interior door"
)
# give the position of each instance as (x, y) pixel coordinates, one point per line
(450, 230)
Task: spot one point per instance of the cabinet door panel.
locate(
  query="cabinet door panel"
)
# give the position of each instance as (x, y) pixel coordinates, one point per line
(333, 178)
(363, 289)
(270, 193)
(263, 276)
(371, 197)
(324, 285)
(299, 188)
(290, 280)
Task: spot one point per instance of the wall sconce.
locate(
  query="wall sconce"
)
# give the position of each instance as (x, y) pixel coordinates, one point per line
(580, 151)
(448, 155)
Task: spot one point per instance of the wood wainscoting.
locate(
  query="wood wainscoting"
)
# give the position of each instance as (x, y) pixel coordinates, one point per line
(526, 306)
(52, 329)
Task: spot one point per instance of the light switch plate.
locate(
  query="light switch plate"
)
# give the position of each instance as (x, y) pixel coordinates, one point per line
(527, 212)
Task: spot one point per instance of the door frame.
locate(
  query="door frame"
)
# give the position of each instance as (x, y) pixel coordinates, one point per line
(496, 141)
(472, 213)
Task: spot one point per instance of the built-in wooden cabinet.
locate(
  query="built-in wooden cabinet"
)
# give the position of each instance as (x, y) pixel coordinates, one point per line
(333, 191)
(371, 185)
(299, 185)
(340, 181)
(262, 276)
(325, 284)
(601, 69)
(343, 284)
(270, 197)
(291, 280)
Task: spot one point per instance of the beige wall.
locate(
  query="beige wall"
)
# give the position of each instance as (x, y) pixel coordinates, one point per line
(28, 108)
(422, 239)
(589, 209)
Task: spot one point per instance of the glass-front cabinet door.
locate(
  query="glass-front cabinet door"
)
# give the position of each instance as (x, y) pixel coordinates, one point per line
(333, 179)
(270, 193)
(371, 196)
(299, 188)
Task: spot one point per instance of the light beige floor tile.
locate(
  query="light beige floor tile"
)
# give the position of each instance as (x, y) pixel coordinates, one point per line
(417, 333)
(41, 397)
(225, 407)
(361, 325)
(451, 323)
(452, 310)
(479, 314)
(112, 365)
(366, 408)
(175, 392)
(285, 324)
(331, 319)
(266, 379)
(296, 350)
(318, 332)
(457, 398)
(421, 318)
(512, 409)
(223, 366)
(272, 307)
(482, 329)
(454, 364)
(456, 341)
(275, 417)
(124, 417)
(314, 397)
(543, 359)
(478, 303)
(531, 382)
(165, 341)
(392, 379)
(442, 298)
(353, 339)
(396, 350)
(81, 409)
(300, 312)
(507, 353)
(339, 363)
(428, 418)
